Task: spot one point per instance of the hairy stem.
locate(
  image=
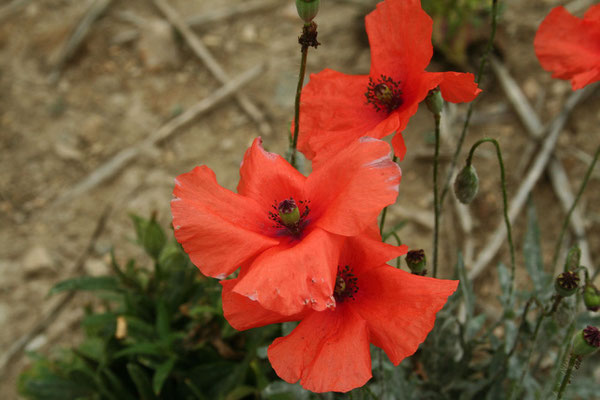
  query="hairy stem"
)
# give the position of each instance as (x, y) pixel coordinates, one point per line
(567, 377)
(296, 132)
(436, 200)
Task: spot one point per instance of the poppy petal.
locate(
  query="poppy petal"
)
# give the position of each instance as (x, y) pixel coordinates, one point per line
(400, 38)
(243, 313)
(400, 308)
(289, 277)
(218, 229)
(328, 351)
(458, 87)
(350, 190)
(365, 252)
(268, 178)
(568, 46)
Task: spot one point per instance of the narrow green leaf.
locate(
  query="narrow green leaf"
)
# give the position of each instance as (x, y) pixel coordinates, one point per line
(504, 279)
(89, 283)
(466, 287)
(162, 320)
(532, 250)
(141, 381)
(241, 392)
(162, 373)
(144, 348)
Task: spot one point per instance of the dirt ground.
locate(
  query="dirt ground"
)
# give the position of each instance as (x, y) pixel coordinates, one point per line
(131, 75)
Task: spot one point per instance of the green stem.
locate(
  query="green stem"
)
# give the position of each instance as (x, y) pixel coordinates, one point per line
(384, 212)
(588, 173)
(504, 204)
(296, 133)
(436, 201)
(517, 387)
(560, 359)
(482, 63)
(567, 377)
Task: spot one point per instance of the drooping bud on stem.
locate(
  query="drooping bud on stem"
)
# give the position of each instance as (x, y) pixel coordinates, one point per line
(466, 184)
(289, 214)
(586, 341)
(591, 297)
(435, 101)
(307, 9)
(566, 283)
(417, 262)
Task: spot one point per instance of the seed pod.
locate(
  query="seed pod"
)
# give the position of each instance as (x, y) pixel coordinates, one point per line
(566, 283)
(466, 184)
(591, 297)
(307, 9)
(586, 341)
(416, 261)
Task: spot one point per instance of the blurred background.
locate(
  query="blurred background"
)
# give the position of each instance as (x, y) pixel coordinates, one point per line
(89, 91)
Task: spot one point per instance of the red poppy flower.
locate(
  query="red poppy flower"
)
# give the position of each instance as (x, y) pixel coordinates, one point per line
(337, 109)
(374, 303)
(289, 226)
(569, 47)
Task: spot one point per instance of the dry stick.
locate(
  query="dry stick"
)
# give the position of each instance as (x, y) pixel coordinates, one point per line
(77, 37)
(59, 304)
(211, 63)
(538, 167)
(125, 156)
(557, 173)
(12, 8)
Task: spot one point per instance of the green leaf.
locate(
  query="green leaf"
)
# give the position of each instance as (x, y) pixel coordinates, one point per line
(89, 283)
(162, 320)
(144, 348)
(162, 373)
(141, 381)
(504, 279)
(241, 392)
(532, 250)
(466, 287)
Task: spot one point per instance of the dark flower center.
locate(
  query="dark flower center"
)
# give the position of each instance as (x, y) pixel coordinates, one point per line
(591, 334)
(346, 284)
(288, 217)
(568, 280)
(384, 94)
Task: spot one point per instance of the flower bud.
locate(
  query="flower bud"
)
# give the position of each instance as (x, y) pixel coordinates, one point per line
(591, 297)
(573, 258)
(466, 184)
(307, 9)
(566, 283)
(435, 101)
(289, 214)
(586, 341)
(416, 261)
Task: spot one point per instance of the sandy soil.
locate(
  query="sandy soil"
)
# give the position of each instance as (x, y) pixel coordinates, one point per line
(113, 94)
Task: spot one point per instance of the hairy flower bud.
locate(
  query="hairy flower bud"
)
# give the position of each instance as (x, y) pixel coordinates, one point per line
(586, 341)
(566, 283)
(591, 297)
(416, 261)
(435, 101)
(466, 184)
(307, 9)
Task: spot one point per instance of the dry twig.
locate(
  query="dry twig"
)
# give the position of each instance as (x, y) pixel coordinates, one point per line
(59, 303)
(536, 170)
(125, 156)
(211, 63)
(77, 37)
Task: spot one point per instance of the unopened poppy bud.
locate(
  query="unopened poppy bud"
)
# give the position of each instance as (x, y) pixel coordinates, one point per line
(466, 184)
(307, 9)
(573, 258)
(289, 214)
(591, 297)
(566, 283)
(416, 261)
(586, 341)
(435, 101)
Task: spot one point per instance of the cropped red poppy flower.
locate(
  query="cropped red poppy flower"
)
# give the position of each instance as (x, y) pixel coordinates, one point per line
(287, 226)
(569, 47)
(374, 303)
(337, 109)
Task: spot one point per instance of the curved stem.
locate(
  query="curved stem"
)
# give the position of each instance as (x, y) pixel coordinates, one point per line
(384, 212)
(436, 201)
(504, 204)
(567, 377)
(294, 135)
(588, 173)
(483, 62)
